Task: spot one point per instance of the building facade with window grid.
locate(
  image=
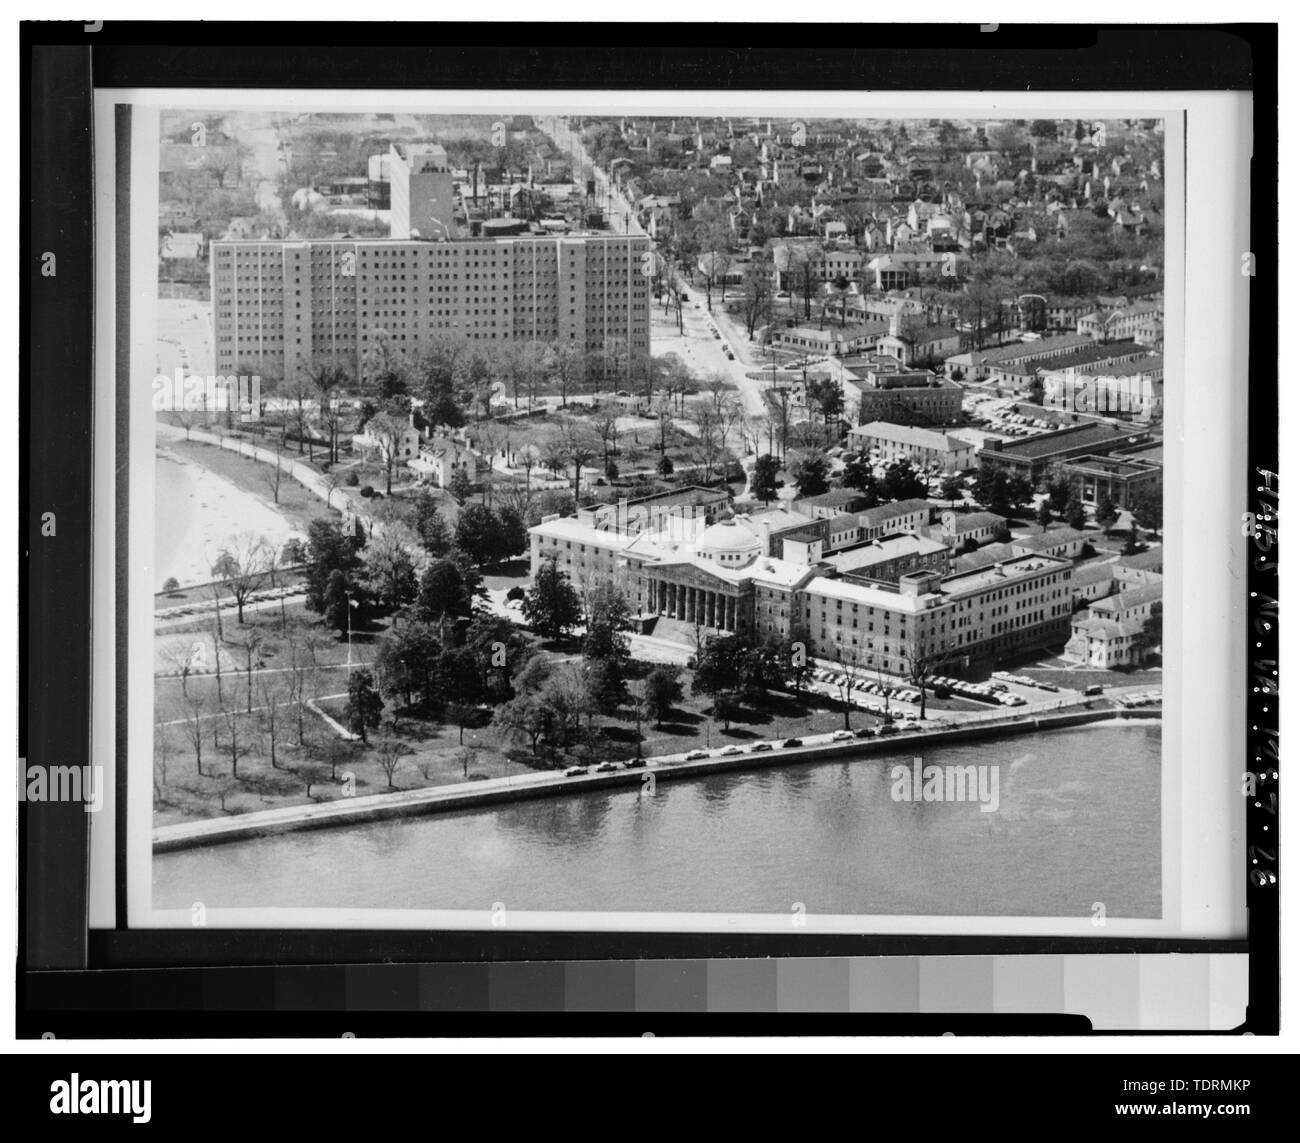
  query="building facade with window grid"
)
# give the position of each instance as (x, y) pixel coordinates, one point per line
(282, 308)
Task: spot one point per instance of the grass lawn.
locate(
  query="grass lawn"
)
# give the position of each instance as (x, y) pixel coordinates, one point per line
(432, 753)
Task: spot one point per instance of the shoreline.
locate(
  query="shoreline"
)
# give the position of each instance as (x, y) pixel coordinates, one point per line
(553, 783)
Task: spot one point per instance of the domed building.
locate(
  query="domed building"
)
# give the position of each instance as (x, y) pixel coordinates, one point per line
(729, 544)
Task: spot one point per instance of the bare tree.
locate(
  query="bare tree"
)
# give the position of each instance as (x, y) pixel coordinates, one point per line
(555, 453)
(390, 752)
(161, 757)
(299, 391)
(580, 447)
(387, 432)
(604, 421)
(328, 379)
(237, 748)
(270, 694)
(272, 476)
(566, 364)
(192, 727)
(182, 657)
(242, 567)
(468, 755)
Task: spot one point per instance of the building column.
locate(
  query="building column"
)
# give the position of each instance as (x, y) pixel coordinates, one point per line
(693, 604)
(731, 613)
(681, 601)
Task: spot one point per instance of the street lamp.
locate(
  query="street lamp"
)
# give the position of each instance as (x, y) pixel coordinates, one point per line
(351, 604)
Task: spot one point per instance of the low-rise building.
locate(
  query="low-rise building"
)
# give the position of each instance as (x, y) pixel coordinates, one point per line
(897, 516)
(1122, 479)
(923, 448)
(1092, 582)
(956, 529)
(1111, 633)
(883, 389)
(888, 558)
(1064, 542)
(836, 502)
(1141, 568)
(1032, 456)
(833, 340)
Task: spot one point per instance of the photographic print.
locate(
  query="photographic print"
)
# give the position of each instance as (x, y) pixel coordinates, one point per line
(663, 513)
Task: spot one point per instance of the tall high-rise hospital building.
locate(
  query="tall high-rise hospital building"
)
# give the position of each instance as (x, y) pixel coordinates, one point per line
(282, 307)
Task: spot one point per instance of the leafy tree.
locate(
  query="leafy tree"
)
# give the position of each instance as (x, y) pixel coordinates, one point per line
(514, 532)
(339, 597)
(860, 473)
(663, 690)
(444, 593)
(606, 687)
(718, 665)
(1153, 628)
(1059, 492)
(527, 715)
(826, 394)
(551, 605)
(407, 663)
(1148, 508)
(726, 708)
(951, 489)
(902, 482)
(329, 549)
(430, 524)
(479, 535)
(810, 472)
(764, 483)
(665, 466)
(1106, 514)
(1019, 492)
(1044, 515)
(761, 668)
(365, 705)
(499, 650)
(1075, 514)
(462, 685)
(391, 569)
(609, 616)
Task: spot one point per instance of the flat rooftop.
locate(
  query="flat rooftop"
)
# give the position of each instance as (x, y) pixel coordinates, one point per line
(1075, 436)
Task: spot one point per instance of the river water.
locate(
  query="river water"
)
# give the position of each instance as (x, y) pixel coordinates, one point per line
(1077, 821)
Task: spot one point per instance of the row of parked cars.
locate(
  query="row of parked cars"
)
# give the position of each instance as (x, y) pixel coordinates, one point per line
(1025, 681)
(1145, 698)
(996, 692)
(898, 726)
(866, 686)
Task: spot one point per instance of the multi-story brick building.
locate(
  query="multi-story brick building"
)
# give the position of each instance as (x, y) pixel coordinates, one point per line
(718, 579)
(281, 307)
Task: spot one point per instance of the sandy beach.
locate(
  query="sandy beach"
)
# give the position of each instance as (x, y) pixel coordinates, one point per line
(197, 513)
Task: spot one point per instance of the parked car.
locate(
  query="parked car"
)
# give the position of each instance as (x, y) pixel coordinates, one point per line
(696, 755)
(575, 771)
(863, 732)
(887, 728)
(1095, 689)
(793, 742)
(606, 767)
(634, 763)
(842, 736)
(729, 751)
(759, 746)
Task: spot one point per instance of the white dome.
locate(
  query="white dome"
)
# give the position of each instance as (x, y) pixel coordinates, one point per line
(728, 543)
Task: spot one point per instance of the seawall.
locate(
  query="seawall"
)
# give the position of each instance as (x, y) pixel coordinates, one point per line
(553, 783)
